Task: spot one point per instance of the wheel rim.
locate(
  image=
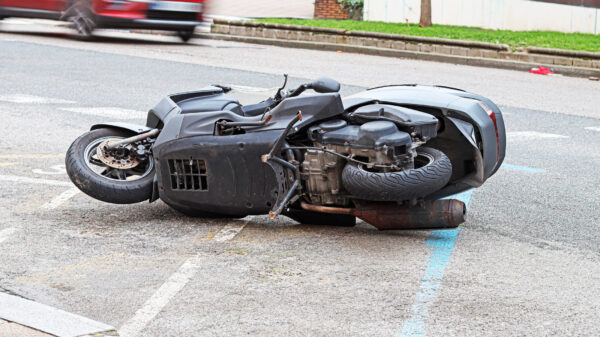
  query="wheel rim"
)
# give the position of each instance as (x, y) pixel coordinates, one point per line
(107, 172)
(423, 159)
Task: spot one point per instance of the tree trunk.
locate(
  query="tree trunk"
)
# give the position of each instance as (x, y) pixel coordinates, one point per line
(425, 13)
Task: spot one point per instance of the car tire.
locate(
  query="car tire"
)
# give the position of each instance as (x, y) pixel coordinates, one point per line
(186, 35)
(82, 18)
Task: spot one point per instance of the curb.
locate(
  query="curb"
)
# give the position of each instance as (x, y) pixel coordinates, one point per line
(43, 318)
(454, 59)
(566, 62)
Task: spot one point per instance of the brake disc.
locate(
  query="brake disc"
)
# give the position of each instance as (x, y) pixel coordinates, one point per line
(115, 159)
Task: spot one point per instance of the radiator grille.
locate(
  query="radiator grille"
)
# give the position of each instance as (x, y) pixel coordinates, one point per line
(171, 15)
(188, 174)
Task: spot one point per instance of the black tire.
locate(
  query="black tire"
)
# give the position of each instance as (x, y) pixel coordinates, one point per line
(82, 17)
(402, 185)
(186, 35)
(98, 186)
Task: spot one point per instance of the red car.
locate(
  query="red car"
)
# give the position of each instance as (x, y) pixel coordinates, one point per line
(181, 16)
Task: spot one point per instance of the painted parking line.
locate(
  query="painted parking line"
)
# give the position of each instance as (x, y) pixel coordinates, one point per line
(442, 242)
(9, 164)
(593, 128)
(160, 298)
(532, 135)
(109, 112)
(231, 230)
(27, 180)
(134, 326)
(6, 233)
(523, 168)
(31, 99)
(60, 199)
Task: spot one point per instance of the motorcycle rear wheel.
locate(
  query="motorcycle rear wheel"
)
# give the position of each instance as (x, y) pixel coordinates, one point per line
(432, 172)
(96, 179)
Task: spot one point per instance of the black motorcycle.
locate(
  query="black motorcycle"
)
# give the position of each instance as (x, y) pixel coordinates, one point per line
(388, 155)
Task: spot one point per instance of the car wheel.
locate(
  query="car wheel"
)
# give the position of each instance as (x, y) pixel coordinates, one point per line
(185, 35)
(82, 19)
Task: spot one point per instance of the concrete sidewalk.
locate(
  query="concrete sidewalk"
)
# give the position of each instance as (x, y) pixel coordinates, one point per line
(261, 8)
(21, 317)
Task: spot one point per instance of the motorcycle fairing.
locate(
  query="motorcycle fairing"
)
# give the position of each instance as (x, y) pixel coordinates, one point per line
(135, 128)
(471, 168)
(180, 124)
(236, 182)
(233, 163)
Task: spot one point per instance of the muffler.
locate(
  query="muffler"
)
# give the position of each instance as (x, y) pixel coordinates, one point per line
(428, 214)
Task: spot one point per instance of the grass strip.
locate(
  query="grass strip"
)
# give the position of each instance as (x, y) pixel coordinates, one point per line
(515, 39)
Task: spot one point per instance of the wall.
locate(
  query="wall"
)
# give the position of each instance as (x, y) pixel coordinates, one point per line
(329, 9)
(494, 14)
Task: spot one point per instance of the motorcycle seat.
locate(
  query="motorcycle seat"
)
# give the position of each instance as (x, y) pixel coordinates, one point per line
(225, 103)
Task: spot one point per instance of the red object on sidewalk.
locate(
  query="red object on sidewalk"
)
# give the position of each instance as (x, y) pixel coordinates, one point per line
(542, 71)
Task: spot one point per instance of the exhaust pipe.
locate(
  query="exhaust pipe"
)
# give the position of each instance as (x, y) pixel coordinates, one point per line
(428, 214)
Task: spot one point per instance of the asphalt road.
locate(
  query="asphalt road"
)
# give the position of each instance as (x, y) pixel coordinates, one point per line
(526, 263)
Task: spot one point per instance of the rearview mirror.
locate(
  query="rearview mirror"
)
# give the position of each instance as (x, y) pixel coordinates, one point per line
(324, 85)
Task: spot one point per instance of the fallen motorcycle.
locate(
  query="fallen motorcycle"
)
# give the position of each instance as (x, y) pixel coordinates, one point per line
(390, 155)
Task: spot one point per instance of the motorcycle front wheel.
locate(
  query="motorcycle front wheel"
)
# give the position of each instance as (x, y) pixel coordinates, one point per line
(100, 181)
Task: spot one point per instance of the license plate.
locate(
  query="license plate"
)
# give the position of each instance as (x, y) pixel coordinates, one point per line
(175, 6)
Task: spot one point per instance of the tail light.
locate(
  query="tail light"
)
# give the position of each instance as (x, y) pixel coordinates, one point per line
(492, 115)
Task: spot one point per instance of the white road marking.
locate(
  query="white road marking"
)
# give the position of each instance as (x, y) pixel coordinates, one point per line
(60, 199)
(175, 283)
(532, 135)
(161, 297)
(30, 156)
(27, 180)
(109, 112)
(55, 170)
(231, 230)
(30, 99)
(593, 128)
(5, 233)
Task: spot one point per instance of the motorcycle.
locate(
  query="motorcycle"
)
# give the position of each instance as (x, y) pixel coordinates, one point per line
(392, 155)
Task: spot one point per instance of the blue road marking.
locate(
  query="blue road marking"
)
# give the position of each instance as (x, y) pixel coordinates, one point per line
(523, 168)
(442, 242)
